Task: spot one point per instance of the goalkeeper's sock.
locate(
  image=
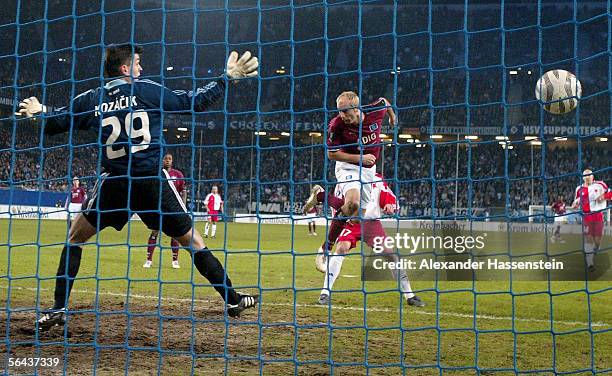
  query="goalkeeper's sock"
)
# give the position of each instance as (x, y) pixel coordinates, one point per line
(210, 267)
(400, 274)
(333, 271)
(151, 246)
(206, 227)
(174, 244)
(71, 255)
(332, 201)
(214, 230)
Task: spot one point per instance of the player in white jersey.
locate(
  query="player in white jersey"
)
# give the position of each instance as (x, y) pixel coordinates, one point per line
(214, 207)
(383, 202)
(589, 197)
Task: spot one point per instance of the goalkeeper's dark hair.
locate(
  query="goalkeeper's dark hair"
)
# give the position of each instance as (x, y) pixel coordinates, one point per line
(118, 55)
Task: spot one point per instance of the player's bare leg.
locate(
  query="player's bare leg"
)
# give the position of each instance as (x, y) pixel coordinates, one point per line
(350, 208)
(70, 261)
(210, 267)
(152, 243)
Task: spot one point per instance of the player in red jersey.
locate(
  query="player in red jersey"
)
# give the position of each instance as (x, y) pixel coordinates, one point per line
(383, 201)
(558, 207)
(312, 224)
(75, 200)
(589, 198)
(214, 207)
(178, 183)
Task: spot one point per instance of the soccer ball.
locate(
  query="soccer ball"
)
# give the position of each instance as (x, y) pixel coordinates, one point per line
(561, 88)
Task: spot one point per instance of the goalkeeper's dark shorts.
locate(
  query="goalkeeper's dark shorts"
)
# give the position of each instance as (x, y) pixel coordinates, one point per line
(154, 199)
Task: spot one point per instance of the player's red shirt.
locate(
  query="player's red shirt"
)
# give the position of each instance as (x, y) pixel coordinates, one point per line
(608, 196)
(77, 195)
(558, 207)
(340, 133)
(588, 196)
(177, 177)
(213, 202)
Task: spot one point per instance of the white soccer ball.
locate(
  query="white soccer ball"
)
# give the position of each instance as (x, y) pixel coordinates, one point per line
(561, 88)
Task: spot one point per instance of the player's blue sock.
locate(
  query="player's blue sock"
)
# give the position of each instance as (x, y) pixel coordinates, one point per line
(210, 267)
(72, 255)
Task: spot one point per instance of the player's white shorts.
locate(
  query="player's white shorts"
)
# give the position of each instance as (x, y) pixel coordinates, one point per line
(350, 177)
(74, 209)
(311, 217)
(561, 219)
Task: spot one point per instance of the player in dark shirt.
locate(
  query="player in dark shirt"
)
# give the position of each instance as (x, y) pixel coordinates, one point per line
(75, 199)
(558, 207)
(127, 111)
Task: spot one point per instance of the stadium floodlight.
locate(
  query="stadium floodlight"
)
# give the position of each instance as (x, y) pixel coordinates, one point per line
(536, 143)
(405, 135)
(602, 139)
(182, 129)
(260, 133)
(529, 138)
(501, 137)
(560, 138)
(471, 137)
(314, 134)
(436, 136)
(286, 134)
(274, 138)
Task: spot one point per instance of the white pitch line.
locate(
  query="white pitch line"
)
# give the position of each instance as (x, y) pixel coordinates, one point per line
(356, 309)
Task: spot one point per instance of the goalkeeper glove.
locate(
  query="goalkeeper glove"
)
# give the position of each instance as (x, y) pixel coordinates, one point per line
(244, 67)
(30, 107)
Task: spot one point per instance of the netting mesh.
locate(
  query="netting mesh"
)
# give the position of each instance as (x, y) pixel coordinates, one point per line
(454, 69)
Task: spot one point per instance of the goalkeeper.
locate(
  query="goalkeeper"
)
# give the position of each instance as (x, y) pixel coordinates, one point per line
(128, 113)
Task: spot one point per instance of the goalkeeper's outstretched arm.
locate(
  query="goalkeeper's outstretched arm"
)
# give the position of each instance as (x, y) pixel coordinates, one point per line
(60, 120)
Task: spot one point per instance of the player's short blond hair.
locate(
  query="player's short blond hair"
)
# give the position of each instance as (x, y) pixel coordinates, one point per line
(349, 95)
